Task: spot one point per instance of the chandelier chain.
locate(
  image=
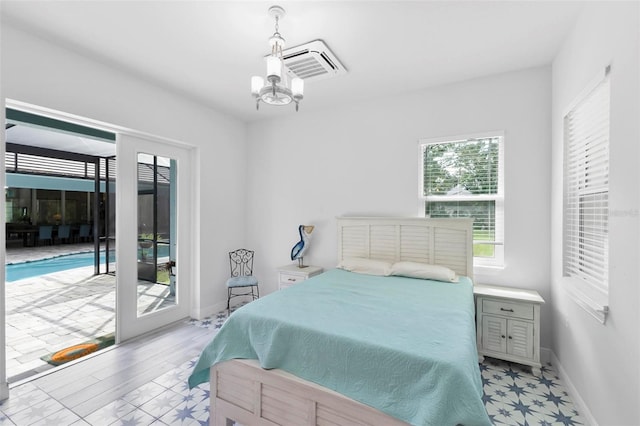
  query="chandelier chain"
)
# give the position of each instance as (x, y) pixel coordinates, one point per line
(277, 47)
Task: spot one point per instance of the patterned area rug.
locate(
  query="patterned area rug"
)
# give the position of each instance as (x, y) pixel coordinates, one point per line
(78, 351)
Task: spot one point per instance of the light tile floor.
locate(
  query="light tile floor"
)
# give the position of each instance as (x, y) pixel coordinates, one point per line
(512, 397)
(54, 311)
(166, 400)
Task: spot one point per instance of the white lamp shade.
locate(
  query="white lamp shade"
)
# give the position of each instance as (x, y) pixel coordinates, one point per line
(257, 83)
(297, 86)
(274, 67)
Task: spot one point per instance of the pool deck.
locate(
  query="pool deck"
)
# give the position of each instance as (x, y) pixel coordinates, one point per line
(54, 311)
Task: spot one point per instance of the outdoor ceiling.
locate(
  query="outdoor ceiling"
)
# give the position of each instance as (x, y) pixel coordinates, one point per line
(60, 141)
(208, 50)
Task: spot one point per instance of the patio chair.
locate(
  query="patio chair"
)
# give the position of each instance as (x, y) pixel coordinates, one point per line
(64, 233)
(45, 234)
(241, 262)
(83, 232)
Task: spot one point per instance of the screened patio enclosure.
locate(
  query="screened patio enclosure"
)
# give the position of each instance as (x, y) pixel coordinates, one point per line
(60, 183)
(156, 224)
(60, 188)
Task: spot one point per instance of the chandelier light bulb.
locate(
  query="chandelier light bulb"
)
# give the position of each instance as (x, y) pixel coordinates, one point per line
(276, 42)
(274, 69)
(297, 87)
(257, 83)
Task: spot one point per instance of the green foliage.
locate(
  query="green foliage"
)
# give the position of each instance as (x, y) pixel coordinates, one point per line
(483, 250)
(163, 276)
(467, 165)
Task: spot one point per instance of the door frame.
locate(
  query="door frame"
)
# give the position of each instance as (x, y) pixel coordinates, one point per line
(83, 121)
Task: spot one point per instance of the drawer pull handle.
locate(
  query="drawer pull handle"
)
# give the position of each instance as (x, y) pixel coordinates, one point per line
(503, 336)
(510, 337)
(506, 310)
(291, 279)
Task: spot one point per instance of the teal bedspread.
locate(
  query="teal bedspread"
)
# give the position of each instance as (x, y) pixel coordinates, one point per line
(401, 345)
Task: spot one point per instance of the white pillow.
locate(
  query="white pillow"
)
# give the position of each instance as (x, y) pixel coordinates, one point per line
(362, 265)
(424, 271)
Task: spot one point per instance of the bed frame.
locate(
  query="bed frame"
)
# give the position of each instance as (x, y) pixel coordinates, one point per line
(243, 391)
(446, 242)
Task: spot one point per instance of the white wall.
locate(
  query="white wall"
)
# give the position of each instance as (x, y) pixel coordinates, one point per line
(363, 160)
(602, 360)
(40, 73)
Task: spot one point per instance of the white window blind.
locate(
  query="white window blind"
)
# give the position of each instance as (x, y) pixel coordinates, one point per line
(586, 199)
(464, 178)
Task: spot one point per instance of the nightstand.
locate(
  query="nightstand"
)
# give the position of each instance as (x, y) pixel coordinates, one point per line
(508, 324)
(289, 275)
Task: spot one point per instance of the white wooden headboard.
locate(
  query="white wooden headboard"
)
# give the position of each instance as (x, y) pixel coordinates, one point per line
(446, 242)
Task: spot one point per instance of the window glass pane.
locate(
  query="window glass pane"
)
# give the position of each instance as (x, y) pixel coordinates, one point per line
(484, 224)
(48, 206)
(156, 232)
(76, 207)
(461, 167)
(18, 205)
(463, 177)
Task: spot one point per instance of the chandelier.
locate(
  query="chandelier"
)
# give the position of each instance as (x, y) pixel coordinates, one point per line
(278, 89)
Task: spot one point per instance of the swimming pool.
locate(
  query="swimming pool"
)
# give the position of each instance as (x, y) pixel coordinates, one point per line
(34, 268)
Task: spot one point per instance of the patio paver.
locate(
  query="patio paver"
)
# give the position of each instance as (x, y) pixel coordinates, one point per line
(51, 312)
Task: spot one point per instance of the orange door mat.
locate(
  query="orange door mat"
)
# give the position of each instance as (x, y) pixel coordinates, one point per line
(78, 351)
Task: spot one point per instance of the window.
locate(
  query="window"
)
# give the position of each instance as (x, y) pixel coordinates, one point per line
(586, 199)
(463, 177)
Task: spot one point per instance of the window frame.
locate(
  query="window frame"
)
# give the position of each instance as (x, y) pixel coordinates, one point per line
(497, 261)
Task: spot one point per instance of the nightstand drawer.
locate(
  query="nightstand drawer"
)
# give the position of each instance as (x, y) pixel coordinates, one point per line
(508, 308)
(290, 279)
(290, 275)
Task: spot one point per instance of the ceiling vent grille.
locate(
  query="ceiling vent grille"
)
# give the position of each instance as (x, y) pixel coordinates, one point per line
(312, 61)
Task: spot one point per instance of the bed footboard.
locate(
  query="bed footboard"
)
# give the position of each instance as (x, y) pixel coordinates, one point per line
(244, 392)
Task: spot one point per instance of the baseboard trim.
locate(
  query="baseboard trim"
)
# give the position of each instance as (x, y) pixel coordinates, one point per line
(4, 391)
(207, 311)
(578, 402)
(545, 356)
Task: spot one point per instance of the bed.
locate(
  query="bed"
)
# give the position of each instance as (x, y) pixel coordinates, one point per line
(351, 348)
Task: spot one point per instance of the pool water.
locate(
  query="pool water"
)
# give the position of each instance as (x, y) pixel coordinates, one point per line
(34, 268)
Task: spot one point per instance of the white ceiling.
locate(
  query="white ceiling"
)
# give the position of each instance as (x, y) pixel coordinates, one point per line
(208, 50)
